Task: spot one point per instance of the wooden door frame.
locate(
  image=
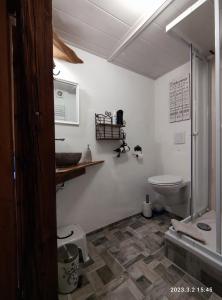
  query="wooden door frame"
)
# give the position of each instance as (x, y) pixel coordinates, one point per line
(30, 257)
(8, 230)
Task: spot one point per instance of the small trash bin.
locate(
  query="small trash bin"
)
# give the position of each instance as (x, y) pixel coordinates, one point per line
(68, 268)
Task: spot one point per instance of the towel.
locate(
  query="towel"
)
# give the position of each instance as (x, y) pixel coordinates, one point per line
(188, 229)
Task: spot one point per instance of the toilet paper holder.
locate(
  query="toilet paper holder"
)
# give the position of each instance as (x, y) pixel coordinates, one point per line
(138, 151)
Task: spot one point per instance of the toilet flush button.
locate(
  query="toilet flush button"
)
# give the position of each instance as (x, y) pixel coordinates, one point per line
(180, 138)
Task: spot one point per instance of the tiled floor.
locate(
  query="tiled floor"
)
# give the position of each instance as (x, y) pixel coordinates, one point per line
(128, 263)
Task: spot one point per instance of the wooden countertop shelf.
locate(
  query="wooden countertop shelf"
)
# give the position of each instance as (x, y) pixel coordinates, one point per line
(64, 174)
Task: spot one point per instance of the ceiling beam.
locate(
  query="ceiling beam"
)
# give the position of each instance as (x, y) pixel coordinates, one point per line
(62, 51)
(138, 27)
(185, 14)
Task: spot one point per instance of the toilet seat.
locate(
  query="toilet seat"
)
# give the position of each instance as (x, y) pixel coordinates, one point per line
(165, 180)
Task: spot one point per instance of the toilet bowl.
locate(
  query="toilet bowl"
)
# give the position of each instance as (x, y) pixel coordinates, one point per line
(170, 193)
(166, 184)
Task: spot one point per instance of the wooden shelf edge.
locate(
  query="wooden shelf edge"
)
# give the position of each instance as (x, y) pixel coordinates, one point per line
(109, 139)
(64, 174)
(111, 125)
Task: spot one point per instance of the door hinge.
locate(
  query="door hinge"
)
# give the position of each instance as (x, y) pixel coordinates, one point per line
(20, 294)
(14, 168)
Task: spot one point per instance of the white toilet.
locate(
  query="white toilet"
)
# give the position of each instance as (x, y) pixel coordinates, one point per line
(170, 193)
(166, 184)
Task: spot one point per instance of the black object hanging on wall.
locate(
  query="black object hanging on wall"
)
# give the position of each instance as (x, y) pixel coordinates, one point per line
(119, 116)
(124, 148)
(138, 148)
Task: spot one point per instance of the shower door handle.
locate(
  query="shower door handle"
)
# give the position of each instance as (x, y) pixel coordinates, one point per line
(195, 133)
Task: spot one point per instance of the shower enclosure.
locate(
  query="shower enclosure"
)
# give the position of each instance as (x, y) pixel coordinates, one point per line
(206, 162)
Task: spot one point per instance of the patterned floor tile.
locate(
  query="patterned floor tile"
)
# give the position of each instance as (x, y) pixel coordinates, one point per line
(134, 260)
(158, 290)
(105, 274)
(143, 283)
(126, 291)
(92, 250)
(95, 235)
(136, 225)
(157, 256)
(128, 234)
(114, 284)
(112, 263)
(147, 271)
(95, 281)
(127, 262)
(145, 229)
(121, 224)
(172, 274)
(100, 241)
(98, 262)
(120, 235)
(153, 243)
(127, 251)
(82, 293)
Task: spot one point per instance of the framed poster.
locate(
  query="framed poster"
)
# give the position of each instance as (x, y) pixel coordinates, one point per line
(179, 99)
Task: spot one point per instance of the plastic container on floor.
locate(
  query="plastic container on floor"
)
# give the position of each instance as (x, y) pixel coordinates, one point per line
(73, 234)
(68, 268)
(147, 208)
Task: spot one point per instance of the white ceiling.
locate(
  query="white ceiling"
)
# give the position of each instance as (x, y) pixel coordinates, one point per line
(100, 26)
(198, 28)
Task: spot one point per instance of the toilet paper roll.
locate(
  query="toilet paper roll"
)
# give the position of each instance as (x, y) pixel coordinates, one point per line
(138, 155)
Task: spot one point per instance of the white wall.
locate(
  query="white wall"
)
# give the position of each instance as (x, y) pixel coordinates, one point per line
(116, 189)
(170, 158)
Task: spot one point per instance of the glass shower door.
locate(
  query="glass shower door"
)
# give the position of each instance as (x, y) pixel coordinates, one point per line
(218, 100)
(200, 134)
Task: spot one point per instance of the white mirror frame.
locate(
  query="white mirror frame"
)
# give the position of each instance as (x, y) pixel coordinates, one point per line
(77, 102)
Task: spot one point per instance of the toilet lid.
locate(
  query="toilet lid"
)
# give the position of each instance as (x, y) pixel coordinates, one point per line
(165, 180)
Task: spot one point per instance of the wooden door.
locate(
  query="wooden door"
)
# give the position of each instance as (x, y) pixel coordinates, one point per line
(32, 204)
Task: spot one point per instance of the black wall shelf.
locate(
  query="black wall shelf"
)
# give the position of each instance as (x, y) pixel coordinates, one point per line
(106, 130)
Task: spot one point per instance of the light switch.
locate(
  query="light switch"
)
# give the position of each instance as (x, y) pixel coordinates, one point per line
(180, 138)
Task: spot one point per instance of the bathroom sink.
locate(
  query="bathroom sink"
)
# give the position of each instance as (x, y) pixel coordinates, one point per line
(67, 159)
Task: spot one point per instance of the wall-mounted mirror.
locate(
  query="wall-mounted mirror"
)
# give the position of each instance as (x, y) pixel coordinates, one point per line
(66, 102)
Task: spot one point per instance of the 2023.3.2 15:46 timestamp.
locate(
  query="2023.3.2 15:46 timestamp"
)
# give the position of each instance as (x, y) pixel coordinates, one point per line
(192, 289)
